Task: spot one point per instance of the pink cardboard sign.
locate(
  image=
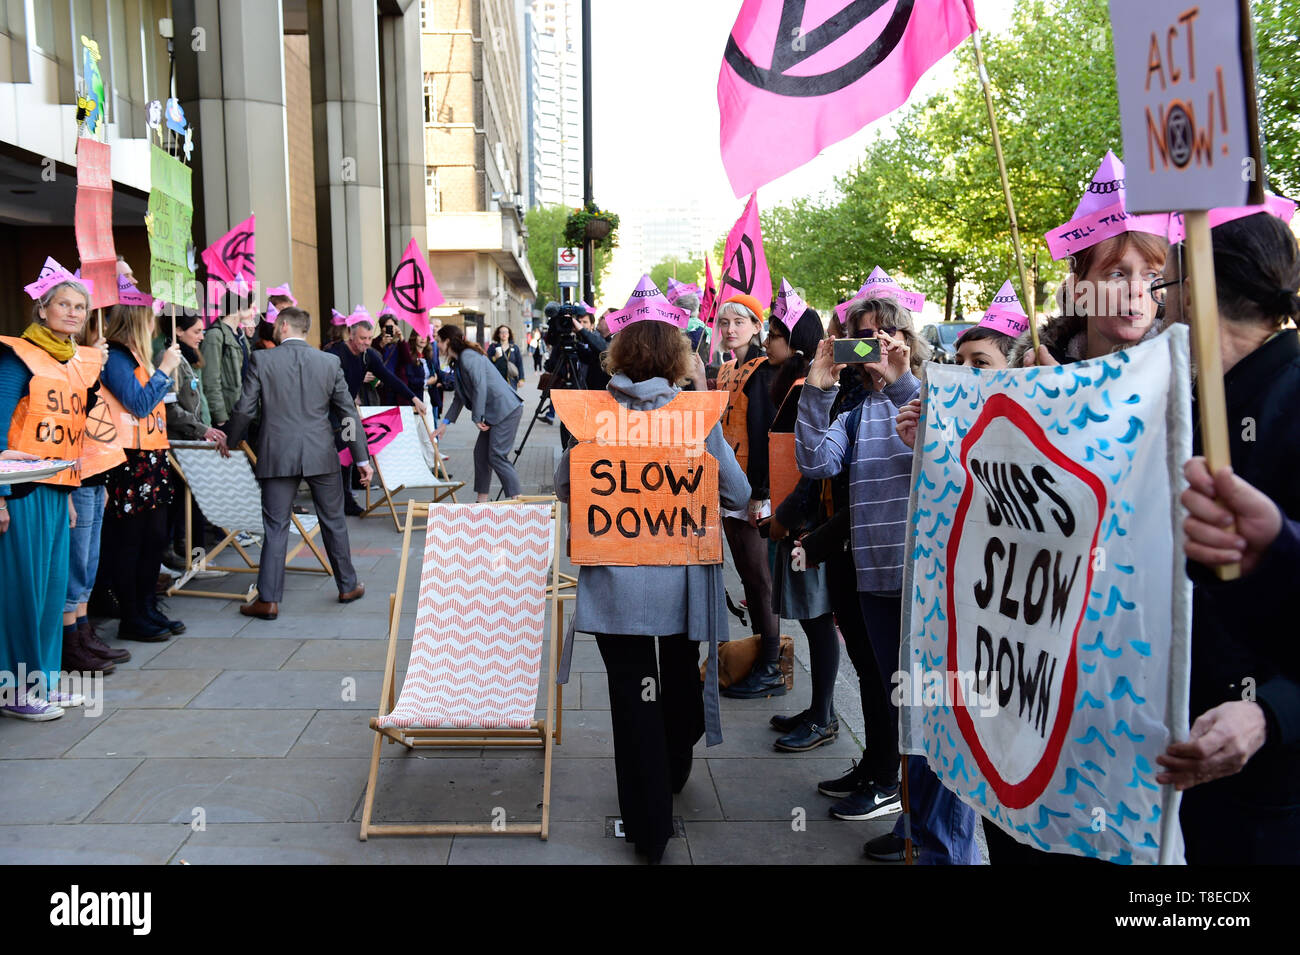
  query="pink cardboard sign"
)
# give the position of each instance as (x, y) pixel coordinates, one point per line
(788, 307)
(647, 303)
(1005, 314)
(1102, 214)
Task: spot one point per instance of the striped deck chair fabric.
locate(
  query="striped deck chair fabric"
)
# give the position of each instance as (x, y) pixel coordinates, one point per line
(226, 490)
(476, 653)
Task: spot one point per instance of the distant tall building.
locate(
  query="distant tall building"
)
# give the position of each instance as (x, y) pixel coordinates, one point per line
(476, 167)
(672, 231)
(554, 58)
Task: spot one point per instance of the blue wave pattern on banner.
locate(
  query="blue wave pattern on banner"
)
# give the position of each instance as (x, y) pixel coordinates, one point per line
(1093, 430)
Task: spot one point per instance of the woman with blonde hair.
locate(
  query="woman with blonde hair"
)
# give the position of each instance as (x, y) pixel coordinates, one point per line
(139, 491)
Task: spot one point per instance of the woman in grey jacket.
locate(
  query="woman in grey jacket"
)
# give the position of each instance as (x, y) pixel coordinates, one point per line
(628, 607)
(494, 406)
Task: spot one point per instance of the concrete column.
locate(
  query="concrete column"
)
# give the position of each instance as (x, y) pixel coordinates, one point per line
(403, 119)
(230, 79)
(344, 37)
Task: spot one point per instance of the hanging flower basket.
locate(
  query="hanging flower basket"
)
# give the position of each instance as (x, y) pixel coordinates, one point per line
(591, 223)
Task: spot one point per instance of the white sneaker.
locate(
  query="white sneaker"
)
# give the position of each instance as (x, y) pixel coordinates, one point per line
(245, 539)
(31, 708)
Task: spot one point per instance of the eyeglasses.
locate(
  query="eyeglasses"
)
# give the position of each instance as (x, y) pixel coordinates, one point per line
(890, 330)
(1158, 290)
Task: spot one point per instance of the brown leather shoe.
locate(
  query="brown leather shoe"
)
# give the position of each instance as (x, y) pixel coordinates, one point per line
(263, 609)
(352, 595)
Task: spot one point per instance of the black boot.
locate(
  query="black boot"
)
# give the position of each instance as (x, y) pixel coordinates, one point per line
(764, 680)
(154, 613)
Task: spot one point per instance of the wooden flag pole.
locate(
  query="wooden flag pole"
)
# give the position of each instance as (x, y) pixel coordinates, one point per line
(1029, 300)
(1204, 317)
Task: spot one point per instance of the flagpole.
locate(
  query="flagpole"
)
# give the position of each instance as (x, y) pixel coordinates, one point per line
(1029, 297)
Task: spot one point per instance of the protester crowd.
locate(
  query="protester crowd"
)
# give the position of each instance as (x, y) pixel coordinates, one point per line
(855, 428)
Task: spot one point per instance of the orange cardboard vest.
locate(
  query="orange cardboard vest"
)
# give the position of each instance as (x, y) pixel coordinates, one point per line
(50, 420)
(146, 434)
(731, 382)
(782, 471)
(100, 451)
(643, 489)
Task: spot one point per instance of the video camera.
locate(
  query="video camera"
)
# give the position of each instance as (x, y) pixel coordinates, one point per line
(560, 317)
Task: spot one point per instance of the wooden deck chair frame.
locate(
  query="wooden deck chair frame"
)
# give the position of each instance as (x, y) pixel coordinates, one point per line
(306, 538)
(542, 733)
(439, 472)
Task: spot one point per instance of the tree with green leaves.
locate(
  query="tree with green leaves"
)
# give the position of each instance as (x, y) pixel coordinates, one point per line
(545, 225)
(683, 270)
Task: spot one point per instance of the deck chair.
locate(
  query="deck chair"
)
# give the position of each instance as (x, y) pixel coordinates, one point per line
(229, 496)
(401, 465)
(475, 684)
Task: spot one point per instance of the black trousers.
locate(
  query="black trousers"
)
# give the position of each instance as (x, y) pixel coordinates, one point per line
(749, 552)
(657, 711)
(880, 754)
(131, 550)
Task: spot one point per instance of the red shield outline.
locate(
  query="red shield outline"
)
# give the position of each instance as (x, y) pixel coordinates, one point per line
(1021, 794)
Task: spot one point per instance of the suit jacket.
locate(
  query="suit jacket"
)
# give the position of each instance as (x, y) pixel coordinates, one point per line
(296, 387)
(480, 387)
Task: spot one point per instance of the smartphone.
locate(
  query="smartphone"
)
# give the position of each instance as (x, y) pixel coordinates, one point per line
(856, 351)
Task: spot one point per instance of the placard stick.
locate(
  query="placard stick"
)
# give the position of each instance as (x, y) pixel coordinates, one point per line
(907, 813)
(1027, 296)
(1204, 317)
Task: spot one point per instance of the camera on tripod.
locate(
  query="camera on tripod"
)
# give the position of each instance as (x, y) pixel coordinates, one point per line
(560, 319)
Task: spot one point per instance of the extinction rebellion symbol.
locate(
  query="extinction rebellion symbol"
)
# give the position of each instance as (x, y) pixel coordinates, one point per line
(1018, 577)
(741, 271)
(410, 296)
(235, 252)
(787, 55)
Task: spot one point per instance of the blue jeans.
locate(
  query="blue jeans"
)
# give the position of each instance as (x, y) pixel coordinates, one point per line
(83, 544)
(943, 827)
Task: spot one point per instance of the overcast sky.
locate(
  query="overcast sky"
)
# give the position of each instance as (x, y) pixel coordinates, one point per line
(655, 108)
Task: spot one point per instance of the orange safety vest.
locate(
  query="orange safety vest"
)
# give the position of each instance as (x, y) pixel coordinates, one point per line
(50, 419)
(100, 451)
(735, 418)
(782, 471)
(146, 434)
(643, 489)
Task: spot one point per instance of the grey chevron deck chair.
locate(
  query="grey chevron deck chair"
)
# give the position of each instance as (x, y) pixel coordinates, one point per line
(229, 496)
(492, 568)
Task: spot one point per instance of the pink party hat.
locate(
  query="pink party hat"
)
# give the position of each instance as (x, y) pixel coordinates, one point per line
(359, 315)
(1006, 315)
(788, 307)
(1102, 214)
(271, 313)
(677, 289)
(589, 309)
(647, 303)
(282, 290)
(880, 285)
(128, 294)
(1284, 209)
(51, 275)
(337, 317)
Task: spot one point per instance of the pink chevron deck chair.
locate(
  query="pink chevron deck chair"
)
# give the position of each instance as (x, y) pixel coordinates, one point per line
(491, 568)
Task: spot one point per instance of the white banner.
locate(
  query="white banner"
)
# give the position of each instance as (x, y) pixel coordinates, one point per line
(1046, 630)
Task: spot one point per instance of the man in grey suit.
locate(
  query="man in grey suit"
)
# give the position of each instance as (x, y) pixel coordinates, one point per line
(296, 387)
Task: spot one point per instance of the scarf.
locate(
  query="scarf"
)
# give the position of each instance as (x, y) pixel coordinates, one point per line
(61, 350)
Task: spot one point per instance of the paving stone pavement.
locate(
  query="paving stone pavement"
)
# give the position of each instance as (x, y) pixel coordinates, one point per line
(246, 741)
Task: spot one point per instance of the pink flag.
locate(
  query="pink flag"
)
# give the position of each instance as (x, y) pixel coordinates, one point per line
(744, 266)
(788, 307)
(647, 303)
(1006, 315)
(232, 258)
(413, 290)
(814, 72)
(380, 430)
(709, 303)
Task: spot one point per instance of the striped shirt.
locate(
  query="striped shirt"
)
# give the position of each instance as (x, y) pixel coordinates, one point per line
(879, 474)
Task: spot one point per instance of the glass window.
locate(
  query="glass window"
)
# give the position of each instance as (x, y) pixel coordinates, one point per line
(430, 98)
